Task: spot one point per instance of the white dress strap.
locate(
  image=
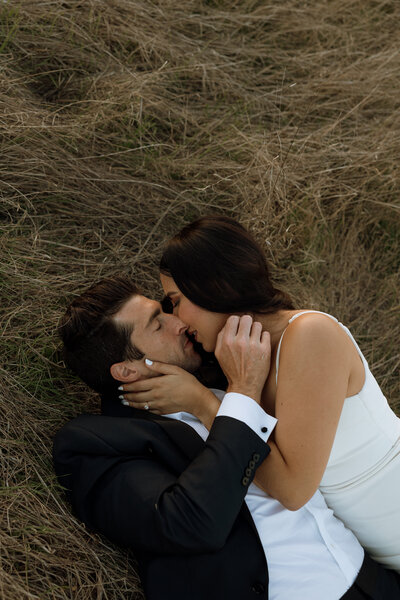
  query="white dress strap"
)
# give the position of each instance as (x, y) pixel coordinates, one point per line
(290, 320)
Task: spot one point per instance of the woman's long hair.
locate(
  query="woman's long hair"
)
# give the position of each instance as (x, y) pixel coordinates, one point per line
(218, 265)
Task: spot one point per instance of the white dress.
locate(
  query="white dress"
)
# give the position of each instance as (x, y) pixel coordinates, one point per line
(361, 482)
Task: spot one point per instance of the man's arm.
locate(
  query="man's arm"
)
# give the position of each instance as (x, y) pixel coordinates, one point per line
(130, 494)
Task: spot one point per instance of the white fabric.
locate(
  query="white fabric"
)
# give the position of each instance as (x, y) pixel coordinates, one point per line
(310, 553)
(256, 418)
(361, 482)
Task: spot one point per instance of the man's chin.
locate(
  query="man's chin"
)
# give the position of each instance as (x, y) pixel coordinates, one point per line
(192, 361)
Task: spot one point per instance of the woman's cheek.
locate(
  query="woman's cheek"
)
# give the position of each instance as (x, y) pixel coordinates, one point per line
(182, 314)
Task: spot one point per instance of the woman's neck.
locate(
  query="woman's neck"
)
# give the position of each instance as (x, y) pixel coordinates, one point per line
(275, 324)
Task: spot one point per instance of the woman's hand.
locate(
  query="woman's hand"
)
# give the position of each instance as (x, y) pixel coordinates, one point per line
(171, 390)
(243, 351)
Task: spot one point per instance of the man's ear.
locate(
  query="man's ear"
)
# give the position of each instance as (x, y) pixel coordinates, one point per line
(124, 372)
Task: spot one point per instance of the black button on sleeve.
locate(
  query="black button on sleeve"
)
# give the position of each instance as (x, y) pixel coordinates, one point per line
(245, 481)
(264, 429)
(256, 457)
(258, 588)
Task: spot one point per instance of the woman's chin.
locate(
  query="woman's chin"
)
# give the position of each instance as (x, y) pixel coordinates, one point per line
(208, 347)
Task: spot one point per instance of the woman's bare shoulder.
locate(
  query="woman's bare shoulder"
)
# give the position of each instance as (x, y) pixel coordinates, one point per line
(311, 320)
(316, 331)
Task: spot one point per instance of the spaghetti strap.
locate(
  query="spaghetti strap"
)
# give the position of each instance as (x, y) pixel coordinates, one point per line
(290, 320)
(277, 356)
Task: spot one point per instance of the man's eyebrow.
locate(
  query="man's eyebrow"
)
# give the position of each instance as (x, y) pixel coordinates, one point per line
(153, 315)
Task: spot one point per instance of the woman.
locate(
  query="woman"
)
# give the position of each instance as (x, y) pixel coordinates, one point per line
(335, 428)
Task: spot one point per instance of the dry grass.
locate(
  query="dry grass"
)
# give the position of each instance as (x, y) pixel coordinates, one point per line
(121, 120)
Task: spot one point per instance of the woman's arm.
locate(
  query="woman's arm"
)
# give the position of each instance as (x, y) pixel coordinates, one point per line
(314, 371)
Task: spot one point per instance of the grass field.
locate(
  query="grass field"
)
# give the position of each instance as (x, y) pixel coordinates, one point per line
(121, 120)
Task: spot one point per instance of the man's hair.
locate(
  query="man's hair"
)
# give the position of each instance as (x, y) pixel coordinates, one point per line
(92, 339)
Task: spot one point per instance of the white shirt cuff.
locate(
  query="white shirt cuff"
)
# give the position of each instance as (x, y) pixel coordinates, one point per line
(245, 409)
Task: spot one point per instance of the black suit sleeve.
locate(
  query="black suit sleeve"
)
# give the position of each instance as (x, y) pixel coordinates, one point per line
(139, 501)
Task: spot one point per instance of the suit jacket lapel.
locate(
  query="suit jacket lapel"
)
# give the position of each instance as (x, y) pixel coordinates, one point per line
(182, 435)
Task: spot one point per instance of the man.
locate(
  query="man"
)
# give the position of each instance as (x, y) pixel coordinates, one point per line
(183, 499)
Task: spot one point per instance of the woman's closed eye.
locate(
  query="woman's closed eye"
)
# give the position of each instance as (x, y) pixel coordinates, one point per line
(175, 304)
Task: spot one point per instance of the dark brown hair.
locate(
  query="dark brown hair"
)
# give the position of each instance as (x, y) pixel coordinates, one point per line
(218, 265)
(92, 339)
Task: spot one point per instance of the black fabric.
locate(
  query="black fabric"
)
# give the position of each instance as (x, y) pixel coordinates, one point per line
(374, 582)
(154, 485)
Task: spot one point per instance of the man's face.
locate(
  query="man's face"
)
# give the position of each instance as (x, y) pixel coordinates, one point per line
(160, 336)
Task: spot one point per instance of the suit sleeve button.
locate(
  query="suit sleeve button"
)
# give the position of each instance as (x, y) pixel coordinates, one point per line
(264, 429)
(248, 472)
(258, 588)
(256, 457)
(252, 464)
(245, 481)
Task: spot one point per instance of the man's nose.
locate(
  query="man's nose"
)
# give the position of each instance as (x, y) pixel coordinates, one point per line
(177, 326)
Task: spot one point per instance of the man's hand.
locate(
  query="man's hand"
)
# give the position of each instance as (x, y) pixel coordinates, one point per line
(174, 390)
(243, 350)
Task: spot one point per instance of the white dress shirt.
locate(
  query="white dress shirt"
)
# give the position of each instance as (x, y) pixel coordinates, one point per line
(310, 553)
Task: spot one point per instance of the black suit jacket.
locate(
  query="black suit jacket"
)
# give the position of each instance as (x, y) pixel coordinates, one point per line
(152, 484)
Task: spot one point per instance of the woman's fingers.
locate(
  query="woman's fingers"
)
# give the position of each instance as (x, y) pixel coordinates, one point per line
(158, 368)
(150, 405)
(231, 327)
(143, 401)
(140, 397)
(235, 328)
(242, 326)
(266, 339)
(166, 393)
(243, 352)
(162, 368)
(245, 326)
(138, 386)
(256, 331)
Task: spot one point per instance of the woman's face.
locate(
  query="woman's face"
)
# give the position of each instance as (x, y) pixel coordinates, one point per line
(203, 324)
